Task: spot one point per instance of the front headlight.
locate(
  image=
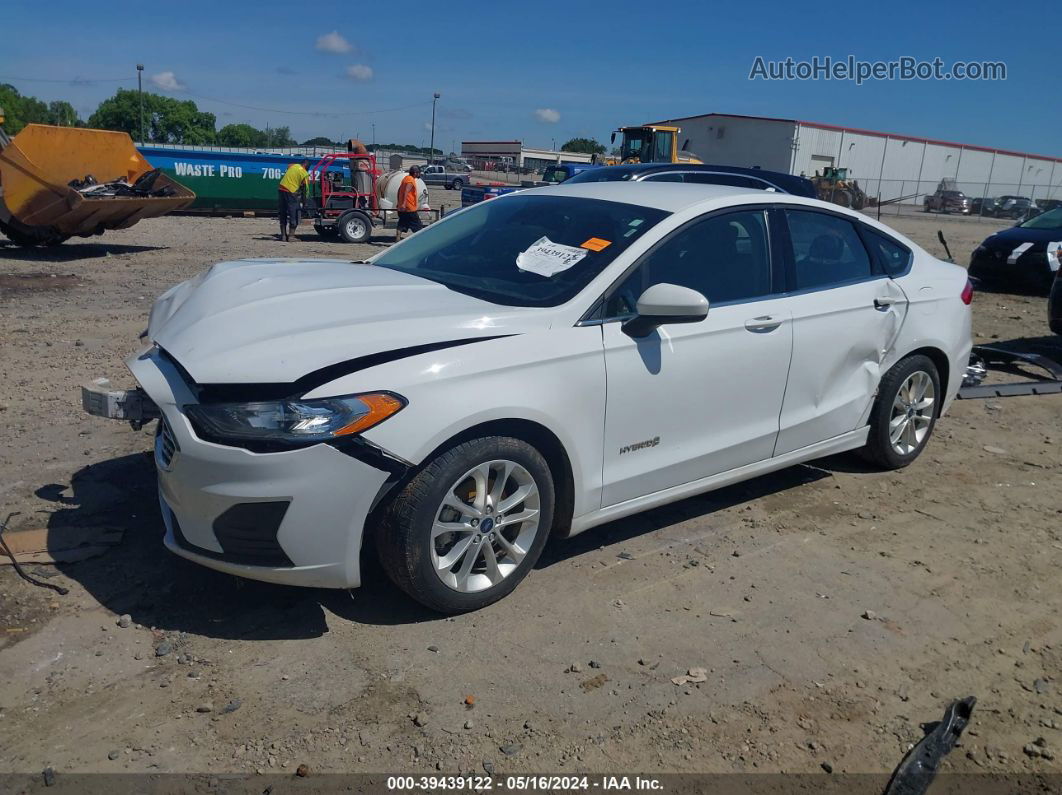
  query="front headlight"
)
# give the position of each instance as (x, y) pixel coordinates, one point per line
(294, 421)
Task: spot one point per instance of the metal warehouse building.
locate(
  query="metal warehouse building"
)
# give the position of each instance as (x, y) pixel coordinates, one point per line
(888, 164)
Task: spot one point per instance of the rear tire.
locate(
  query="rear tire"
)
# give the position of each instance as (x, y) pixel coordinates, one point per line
(457, 184)
(904, 414)
(454, 539)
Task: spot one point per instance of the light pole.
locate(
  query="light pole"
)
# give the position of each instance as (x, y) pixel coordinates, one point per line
(374, 136)
(140, 92)
(431, 149)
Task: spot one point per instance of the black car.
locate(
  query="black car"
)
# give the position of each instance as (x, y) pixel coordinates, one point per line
(1016, 207)
(1054, 304)
(1026, 256)
(735, 176)
(984, 206)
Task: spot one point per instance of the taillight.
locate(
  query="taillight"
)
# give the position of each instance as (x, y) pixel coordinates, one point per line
(967, 293)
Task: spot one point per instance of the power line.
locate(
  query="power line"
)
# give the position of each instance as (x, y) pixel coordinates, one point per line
(326, 114)
(202, 98)
(74, 81)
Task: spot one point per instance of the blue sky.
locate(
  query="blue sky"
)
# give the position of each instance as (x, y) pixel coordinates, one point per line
(543, 71)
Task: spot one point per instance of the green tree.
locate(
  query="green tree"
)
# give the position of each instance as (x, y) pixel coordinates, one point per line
(166, 120)
(62, 114)
(588, 146)
(320, 140)
(278, 136)
(243, 135)
(20, 110)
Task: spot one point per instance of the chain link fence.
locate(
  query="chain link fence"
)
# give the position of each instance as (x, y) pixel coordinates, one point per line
(884, 197)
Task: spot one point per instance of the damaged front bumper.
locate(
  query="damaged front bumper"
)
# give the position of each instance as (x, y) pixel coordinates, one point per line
(131, 405)
(294, 517)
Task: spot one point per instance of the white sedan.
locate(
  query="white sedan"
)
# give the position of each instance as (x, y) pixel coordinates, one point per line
(533, 366)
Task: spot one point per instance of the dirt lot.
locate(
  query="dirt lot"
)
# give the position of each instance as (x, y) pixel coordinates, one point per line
(834, 608)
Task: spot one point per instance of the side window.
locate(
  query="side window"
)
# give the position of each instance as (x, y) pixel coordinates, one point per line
(892, 257)
(826, 250)
(725, 258)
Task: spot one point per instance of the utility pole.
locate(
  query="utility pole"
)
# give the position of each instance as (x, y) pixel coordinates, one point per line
(435, 98)
(140, 92)
(374, 136)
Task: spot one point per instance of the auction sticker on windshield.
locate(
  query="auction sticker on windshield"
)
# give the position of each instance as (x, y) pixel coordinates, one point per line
(547, 258)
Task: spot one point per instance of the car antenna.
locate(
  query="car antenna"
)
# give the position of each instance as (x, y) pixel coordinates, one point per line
(943, 242)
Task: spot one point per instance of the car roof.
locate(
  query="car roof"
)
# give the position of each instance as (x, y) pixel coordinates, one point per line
(669, 196)
(674, 197)
(798, 186)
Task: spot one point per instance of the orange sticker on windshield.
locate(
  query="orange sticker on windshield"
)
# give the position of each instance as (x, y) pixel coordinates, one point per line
(596, 244)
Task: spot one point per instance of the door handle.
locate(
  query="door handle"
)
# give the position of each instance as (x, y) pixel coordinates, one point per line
(884, 301)
(763, 324)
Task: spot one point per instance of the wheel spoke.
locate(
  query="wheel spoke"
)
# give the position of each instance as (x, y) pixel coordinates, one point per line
(451, 500)
(897, 427)
(481, 476)
(500, 479)
(466, 565)
(923, 403)
(517, 497)
(516, 518)
(513, 551)
(491, 560)
(909, 436)
(456, 552)
(439, 528)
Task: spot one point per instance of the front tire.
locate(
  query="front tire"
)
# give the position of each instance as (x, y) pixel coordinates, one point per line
(470, 525)
(904, 414)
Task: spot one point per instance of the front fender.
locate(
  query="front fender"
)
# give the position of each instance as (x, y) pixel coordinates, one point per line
(553, 377)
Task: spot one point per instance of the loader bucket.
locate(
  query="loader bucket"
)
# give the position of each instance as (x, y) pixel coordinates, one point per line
(37, 205)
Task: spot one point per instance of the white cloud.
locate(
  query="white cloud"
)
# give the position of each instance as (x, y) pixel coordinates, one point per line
(167, 81)
(547, 115)
(334, 42)
(359, 72)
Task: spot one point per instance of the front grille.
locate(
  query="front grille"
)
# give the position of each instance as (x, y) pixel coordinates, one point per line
(167, 445)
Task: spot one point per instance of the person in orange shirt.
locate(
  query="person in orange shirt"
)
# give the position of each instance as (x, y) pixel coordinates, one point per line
(408, 219)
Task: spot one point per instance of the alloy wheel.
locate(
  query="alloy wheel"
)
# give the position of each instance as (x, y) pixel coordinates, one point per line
(912, 412)
(487, 522)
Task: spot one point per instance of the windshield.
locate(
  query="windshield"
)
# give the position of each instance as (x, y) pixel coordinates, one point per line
(637, 145)
(562, 243)
(1052, 219)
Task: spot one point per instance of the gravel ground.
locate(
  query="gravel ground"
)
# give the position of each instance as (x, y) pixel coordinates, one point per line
(833, 608)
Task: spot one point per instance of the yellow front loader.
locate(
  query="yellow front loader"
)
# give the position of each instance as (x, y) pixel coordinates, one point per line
(650, 143)
(45, 197)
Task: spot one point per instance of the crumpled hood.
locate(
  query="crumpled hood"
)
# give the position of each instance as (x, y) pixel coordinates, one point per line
(273, 321)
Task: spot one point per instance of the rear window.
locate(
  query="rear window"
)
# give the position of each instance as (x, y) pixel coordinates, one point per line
(893, 257)
(827, 250)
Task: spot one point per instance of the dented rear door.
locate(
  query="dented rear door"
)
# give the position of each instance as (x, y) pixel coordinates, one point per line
(842, 333)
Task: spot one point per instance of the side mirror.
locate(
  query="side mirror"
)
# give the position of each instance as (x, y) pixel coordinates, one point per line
(666, 303)
(613, 140)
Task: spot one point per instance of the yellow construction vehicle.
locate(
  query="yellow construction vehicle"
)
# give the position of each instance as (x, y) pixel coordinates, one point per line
(58, 182)
(650, 143)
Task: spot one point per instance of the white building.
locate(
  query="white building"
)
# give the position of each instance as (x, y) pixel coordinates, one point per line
(516, 153)
(888, 164)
